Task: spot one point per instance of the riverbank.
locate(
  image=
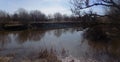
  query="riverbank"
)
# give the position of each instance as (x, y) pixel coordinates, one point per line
(35, 26)
(19, 27)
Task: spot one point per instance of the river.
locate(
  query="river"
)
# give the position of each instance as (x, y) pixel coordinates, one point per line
(57, 45)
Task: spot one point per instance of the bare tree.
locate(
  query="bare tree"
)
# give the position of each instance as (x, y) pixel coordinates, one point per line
(15, 17)
(4, 17)
(112, 5)
(113, 14)
(83, 4)
(23, 15)
(37, 16)
(66, 17)
(50, 17)
(79, 5)
(58, 17)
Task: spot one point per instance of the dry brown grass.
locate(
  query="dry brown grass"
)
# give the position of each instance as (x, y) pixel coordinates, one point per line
(5, 59)
(42, 56)
(48, 56)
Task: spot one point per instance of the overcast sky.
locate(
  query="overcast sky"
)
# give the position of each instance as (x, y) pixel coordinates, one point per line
(45, 6)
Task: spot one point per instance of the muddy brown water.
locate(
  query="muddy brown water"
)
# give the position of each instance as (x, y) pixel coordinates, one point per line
(67, 44)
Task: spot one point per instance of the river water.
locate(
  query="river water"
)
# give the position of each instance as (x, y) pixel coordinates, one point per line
(58, 45)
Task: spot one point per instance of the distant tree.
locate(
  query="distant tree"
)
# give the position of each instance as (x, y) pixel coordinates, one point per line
(3, 13)
(66, 17)
(15, 17)
(37, 16)
(23, 15)
(72, 18)
(4, 17)
(58, 17)
(50, 17)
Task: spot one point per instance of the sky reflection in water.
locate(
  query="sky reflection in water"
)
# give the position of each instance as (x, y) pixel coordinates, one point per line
(65, 43)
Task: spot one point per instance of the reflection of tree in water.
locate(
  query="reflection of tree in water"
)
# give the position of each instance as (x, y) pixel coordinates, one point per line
(96, 34)
(30, 35)
(4, 38)
(104, 41)
(59, 32)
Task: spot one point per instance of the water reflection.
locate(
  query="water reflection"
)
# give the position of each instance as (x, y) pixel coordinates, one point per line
(104, 43)
(30, 35)
(59, 32)
(95, 44)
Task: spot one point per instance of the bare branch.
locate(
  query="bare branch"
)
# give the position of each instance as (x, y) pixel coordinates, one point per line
(106, 1)
(96, 4)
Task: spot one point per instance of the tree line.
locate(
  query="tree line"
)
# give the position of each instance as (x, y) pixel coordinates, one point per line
(111, 8)
(35, 16)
